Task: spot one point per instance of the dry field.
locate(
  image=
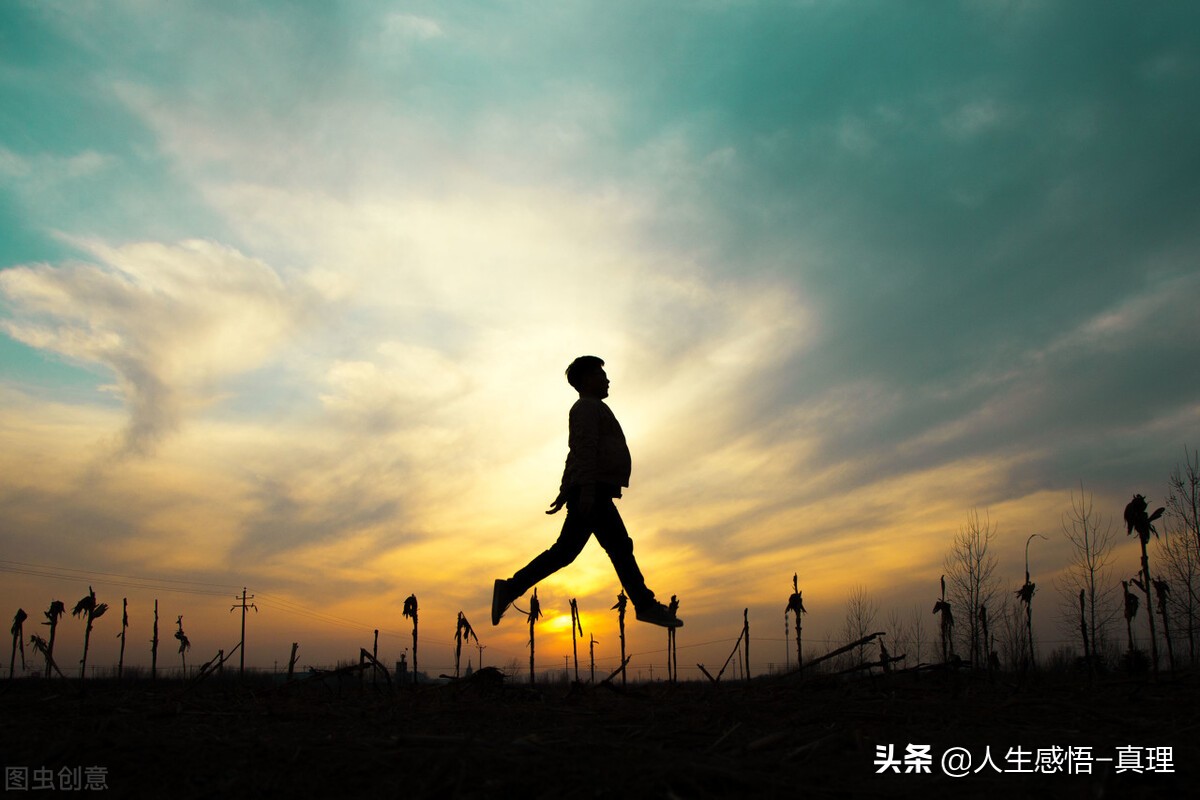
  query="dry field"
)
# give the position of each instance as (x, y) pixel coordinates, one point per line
(777, 737)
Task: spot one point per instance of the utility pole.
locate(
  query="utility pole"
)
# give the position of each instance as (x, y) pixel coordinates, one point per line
(592, 654)
(154, 646)
(746, 633)
(242, 646)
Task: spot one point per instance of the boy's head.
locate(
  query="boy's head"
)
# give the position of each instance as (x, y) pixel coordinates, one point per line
(586, 375)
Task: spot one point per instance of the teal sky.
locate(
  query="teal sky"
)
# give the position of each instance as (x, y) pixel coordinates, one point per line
(330, 260)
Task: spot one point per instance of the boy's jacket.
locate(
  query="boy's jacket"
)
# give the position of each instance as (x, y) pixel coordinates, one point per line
(598, 453)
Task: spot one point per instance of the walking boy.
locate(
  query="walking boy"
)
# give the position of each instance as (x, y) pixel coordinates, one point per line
(598, 465)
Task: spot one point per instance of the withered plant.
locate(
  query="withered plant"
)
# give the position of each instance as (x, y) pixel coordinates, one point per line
(410, 611)
(462, 630)
(622, 602)
(672, 653)
(795, 604)
(1025, 594)
(533, 615)
(90, 610)
(576, 625)
(154, 646)
(42, 648)
(1131, 609)
(184, 644)
(947, 619)
(121, 635)
(18, 634)
(1136, 519)
(53, 615)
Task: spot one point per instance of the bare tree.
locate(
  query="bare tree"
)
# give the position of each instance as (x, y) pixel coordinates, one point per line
(970, 570)
(1180, 560)
(897, 630)
(1092, 538)
(1162, 590)
(861, 611)
(1183, 502)
(918, 634)
(1179, 549)
(1014, 643)
(1088, 655)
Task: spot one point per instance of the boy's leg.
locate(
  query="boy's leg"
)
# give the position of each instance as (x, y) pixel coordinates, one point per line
(572, 538)
(610, 532)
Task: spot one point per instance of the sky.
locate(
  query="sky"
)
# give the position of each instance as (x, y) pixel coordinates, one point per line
(287, 290)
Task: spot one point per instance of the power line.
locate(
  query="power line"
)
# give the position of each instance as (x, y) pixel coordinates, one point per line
(179, 586)
(289, 607)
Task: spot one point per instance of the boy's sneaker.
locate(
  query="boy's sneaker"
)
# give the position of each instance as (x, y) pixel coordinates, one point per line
(502, 597)
(658, 614)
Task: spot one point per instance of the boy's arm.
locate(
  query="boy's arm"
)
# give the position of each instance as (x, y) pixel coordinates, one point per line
(583, 441)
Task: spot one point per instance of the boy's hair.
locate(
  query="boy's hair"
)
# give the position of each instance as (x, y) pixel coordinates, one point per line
(582, 366)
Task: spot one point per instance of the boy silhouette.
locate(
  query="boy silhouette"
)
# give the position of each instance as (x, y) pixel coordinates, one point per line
(598, 466)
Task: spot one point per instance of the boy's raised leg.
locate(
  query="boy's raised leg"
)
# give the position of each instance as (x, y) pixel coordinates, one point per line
(502, 596)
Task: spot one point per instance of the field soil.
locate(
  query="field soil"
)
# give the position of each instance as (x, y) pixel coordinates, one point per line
(488, 736)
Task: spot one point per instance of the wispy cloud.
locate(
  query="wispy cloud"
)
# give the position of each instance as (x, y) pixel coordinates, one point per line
(42, 171)
(169, 321)
(411, 26)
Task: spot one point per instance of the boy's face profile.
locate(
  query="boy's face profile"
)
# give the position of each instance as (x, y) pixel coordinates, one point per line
(594, 384)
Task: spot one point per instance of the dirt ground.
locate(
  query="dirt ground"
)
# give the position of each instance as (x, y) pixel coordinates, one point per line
(489, 737)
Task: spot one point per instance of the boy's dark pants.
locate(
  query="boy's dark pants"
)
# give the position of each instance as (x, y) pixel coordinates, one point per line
(606, 523)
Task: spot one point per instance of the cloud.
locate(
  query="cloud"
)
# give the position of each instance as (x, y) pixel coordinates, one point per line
(45, 170)
(411, 26)
(975, 118)
(405, 385)
(13, 165)
(170, 321)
